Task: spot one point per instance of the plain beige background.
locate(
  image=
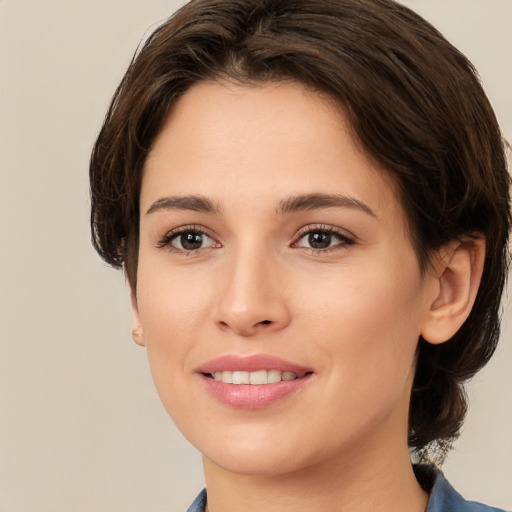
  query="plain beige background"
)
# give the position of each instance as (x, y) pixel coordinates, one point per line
(81, 428)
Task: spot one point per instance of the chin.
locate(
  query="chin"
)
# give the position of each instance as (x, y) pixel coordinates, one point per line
(255, 464)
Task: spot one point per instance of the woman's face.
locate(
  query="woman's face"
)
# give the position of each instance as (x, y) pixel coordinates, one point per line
(273, 247)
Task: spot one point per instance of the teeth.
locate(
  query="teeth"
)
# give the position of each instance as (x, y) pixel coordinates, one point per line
(240, 377)
(274, 376)
(226, 377)
(259, 377)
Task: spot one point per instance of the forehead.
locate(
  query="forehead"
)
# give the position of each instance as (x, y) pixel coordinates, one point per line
(272, 140)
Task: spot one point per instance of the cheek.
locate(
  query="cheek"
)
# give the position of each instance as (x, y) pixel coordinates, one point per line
(369, 326)
(170, 304)
(171, 313)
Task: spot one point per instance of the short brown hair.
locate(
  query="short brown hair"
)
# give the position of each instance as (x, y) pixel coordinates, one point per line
(413, 101)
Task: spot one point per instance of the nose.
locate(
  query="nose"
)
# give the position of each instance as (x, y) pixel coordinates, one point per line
(251, 299)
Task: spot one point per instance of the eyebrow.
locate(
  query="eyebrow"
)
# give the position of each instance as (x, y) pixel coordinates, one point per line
(292, 204)
(194, 203)
(317, 201)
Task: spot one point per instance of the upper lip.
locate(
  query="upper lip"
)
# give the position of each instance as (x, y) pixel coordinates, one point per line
(253, 363)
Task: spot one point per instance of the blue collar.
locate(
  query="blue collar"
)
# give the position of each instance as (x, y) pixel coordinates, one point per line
(199, 503)
(444, 498)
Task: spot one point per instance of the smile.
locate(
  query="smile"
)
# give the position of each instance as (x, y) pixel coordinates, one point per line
(253, 381)
(255, 378)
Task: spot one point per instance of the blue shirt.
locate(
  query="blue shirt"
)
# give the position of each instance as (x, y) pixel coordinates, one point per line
(443, 497)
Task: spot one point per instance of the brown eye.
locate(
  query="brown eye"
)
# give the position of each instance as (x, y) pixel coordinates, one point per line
(323, 240)
(319, 240)
(191, 241)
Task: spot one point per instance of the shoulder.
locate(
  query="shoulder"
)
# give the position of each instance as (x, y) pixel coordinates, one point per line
(444, 498)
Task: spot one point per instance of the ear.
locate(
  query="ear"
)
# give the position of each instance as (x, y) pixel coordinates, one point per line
(137, 333)
(457, 275)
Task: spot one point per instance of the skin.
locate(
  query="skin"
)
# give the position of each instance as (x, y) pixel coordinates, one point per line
(352, 312)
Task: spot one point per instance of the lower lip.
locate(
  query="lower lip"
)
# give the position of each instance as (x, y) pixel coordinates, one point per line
(253, 396)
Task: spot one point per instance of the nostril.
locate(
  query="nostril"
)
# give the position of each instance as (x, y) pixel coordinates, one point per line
(266, 322)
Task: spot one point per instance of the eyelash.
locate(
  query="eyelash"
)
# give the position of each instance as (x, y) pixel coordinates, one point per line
(167, 240)
(343, 238)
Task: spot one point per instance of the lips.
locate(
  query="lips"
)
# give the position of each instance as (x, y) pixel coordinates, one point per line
(251, 364)
(253, 382)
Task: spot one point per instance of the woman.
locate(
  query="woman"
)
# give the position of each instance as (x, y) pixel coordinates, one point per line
(310, 201)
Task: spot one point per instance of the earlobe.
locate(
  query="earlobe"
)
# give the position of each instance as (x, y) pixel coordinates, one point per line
(458, 276)
(138, 336)
(137, 333)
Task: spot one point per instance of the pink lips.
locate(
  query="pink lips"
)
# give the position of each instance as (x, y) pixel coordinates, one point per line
(245, 396)
(251, 364)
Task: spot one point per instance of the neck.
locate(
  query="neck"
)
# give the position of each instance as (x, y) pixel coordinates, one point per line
(372, 483)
